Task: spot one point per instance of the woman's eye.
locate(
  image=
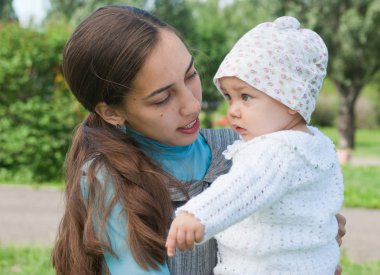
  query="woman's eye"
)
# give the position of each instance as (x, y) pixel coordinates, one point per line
(162, 102)
(192, 75)
(246, 97)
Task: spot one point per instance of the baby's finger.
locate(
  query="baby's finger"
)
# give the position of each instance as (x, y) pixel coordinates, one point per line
(171, 242)
(181, 240)
(190, 240)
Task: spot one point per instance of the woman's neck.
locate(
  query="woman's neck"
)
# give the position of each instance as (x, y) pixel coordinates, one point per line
(186, 163)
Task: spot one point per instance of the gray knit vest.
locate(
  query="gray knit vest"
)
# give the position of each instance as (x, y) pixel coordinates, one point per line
(203, 259)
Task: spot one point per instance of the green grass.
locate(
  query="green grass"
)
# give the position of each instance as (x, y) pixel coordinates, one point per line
(367, 141)
(352, 268)
(23, 177)
(362, 186)
(362, 183)
(25, 260)
(36, 261)
(37, 186)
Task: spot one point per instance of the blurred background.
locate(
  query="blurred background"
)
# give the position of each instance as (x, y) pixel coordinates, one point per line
(38, 113)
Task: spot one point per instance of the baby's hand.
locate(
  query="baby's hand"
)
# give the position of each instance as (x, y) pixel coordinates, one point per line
(185, 229)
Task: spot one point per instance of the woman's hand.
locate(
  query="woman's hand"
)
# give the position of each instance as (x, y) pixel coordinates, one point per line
(338, 270)
(184, 231)
(342, 228)
(341, 232)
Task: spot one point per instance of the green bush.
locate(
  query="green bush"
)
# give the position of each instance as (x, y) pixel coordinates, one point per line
(326, 111)
(37, 110)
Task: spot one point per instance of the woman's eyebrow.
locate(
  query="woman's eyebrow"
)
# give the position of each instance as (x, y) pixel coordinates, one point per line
(159, 90)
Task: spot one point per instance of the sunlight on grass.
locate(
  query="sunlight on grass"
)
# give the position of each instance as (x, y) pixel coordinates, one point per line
(352, 268)
(25, 260)
(361, 186)
(367, 141)
(36, 261)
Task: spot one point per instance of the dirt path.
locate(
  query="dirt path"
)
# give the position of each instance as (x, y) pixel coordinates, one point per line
(365, 161)
(31, 216)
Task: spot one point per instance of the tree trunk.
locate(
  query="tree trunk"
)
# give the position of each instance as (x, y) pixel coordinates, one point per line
(346, 115)
(346, 123)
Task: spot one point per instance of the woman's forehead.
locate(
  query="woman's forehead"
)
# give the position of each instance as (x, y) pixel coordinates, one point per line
(166, 64)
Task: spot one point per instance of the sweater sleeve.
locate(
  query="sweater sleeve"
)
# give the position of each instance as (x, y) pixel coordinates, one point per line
(116, 230)
(259, 176)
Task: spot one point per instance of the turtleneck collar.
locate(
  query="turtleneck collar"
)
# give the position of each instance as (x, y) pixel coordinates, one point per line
(186, 163)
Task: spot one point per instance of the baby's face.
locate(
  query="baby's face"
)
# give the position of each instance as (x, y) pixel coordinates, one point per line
(251, 112)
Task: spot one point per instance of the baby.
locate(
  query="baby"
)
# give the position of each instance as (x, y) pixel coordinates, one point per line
(274, 212)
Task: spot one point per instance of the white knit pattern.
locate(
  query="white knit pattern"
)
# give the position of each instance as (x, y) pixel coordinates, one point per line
(278, 202)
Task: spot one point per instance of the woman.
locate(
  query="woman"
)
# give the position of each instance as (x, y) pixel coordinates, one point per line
(139, 153)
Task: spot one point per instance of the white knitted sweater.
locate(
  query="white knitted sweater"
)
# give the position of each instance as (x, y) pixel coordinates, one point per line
(278, 202)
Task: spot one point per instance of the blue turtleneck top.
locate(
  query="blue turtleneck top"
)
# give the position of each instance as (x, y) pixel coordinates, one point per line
(186, 163)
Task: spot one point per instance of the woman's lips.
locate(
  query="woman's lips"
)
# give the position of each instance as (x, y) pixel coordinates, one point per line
(190, 128)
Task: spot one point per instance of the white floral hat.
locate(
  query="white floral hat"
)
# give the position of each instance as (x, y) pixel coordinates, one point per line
(282, 60)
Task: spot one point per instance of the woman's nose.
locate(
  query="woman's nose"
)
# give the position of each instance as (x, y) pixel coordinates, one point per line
(190, 103)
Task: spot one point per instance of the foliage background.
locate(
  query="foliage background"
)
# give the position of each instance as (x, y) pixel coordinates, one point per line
(37, 110)
(38, 113)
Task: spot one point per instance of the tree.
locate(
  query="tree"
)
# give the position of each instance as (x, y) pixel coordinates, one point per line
(351, 31)
(7, 12)
(178, 14)
(210, 47)
(241, 16)
(75, 11)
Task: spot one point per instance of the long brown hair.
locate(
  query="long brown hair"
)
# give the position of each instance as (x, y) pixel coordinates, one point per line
(100, 61)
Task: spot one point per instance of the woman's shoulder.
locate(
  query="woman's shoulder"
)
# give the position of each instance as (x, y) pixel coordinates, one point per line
(219, 137)
(99, 170)
(100, 174)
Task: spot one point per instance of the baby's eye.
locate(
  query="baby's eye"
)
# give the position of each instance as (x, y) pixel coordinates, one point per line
(246, 97)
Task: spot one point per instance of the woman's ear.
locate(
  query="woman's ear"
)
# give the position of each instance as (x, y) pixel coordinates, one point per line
(109, 114)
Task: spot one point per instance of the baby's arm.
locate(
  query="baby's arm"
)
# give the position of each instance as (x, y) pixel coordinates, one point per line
(236, 195)
(184, 231)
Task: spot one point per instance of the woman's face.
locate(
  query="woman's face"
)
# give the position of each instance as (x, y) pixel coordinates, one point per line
(165, 101)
